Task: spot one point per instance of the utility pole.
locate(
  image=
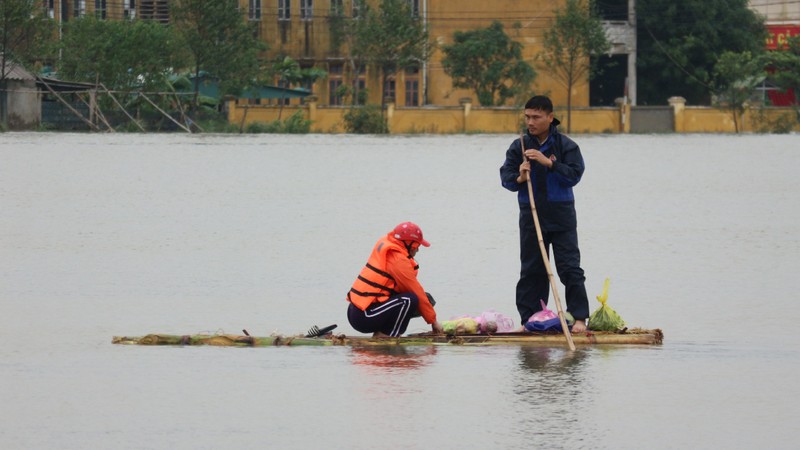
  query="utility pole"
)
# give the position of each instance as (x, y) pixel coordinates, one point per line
(632, 52)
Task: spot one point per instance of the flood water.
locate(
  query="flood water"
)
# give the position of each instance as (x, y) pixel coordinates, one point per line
(106, 235)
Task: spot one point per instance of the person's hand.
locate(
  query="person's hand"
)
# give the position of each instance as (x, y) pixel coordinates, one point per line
(536, 155)
(524, 172)
(437, 327)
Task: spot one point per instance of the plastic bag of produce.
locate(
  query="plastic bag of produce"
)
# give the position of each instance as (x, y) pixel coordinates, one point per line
(491, 321)
(544, 320)
(604, 318)
(463, 325)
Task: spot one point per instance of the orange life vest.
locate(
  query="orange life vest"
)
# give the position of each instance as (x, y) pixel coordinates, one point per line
(374, 284)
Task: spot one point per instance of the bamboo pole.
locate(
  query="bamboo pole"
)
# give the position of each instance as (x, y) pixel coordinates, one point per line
(184, 116)
(164, 113)
(93, 106)
(544, 339)
(543, 250)
(61, 99)
(121, 107)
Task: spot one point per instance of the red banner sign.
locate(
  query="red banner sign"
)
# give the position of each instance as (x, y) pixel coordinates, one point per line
(779, 35)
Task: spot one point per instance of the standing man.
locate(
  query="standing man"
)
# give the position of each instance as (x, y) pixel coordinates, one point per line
(386, 294)
(555, 164)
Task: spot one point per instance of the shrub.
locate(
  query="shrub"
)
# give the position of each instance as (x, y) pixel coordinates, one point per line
(297, 124)
(365, 120)
(783, 124)
(263, 127)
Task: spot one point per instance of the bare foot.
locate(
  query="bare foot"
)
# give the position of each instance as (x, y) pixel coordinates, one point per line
(579, 326)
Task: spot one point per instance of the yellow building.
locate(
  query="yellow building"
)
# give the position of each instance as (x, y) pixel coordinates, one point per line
(301, 29)
(524, 21)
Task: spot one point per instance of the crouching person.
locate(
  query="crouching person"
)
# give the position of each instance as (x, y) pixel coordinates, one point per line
(386, 294)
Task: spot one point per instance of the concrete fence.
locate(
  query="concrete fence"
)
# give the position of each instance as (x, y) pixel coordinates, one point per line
(468, 118)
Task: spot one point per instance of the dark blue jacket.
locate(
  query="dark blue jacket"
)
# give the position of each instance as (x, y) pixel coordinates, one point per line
(552, 189)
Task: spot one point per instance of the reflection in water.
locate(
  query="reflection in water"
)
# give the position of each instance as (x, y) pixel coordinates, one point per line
(386, 370)
(392, 358)
(552, 382)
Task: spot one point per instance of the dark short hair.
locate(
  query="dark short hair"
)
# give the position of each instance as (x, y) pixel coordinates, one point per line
(541, 103)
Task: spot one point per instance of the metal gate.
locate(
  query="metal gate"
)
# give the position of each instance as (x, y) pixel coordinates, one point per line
(652, 119)
(55, 115)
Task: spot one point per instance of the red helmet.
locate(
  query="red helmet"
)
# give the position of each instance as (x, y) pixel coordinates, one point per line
(409, 231)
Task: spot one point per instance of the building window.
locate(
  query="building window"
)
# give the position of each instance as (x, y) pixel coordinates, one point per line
(157, 10)
(334, 83)
(306, 9)
(389, 89)
(337, 9)
(334, 99)
(79, 9)
(51, 9)
(359, 91)
(284, 9)
(412, 86)
(412, 92)
(254, 10)
(100, 9)
(358, 9)
(129, 9)
(358, 85)
(307, 85)
(285, 85)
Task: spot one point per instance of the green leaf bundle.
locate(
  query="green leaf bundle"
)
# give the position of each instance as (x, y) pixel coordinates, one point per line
(604, 318)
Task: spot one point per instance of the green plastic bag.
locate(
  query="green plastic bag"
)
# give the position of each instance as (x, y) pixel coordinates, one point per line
(604, 318)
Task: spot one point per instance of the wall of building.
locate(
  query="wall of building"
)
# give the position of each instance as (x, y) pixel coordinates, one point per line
(24, 105)
(432, 120)
(696, 119)
(776, 11)
(523, 21)
(468, 118)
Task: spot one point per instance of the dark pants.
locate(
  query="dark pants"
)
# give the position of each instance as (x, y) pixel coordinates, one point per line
(533, 281)
(390, 317)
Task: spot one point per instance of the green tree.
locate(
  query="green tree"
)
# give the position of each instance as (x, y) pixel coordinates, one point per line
(488, 62)
(220, 42)
(289, 73)
(737, 76)
(343, 31)
(391, 39)
(25, 34)
(679, 42)
(123, 55)
(575, 37)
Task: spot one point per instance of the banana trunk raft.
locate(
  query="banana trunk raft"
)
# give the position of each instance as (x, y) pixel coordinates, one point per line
(636, 336)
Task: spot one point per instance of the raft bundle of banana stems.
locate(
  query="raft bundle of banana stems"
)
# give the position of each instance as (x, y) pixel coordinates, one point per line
(628, 336)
